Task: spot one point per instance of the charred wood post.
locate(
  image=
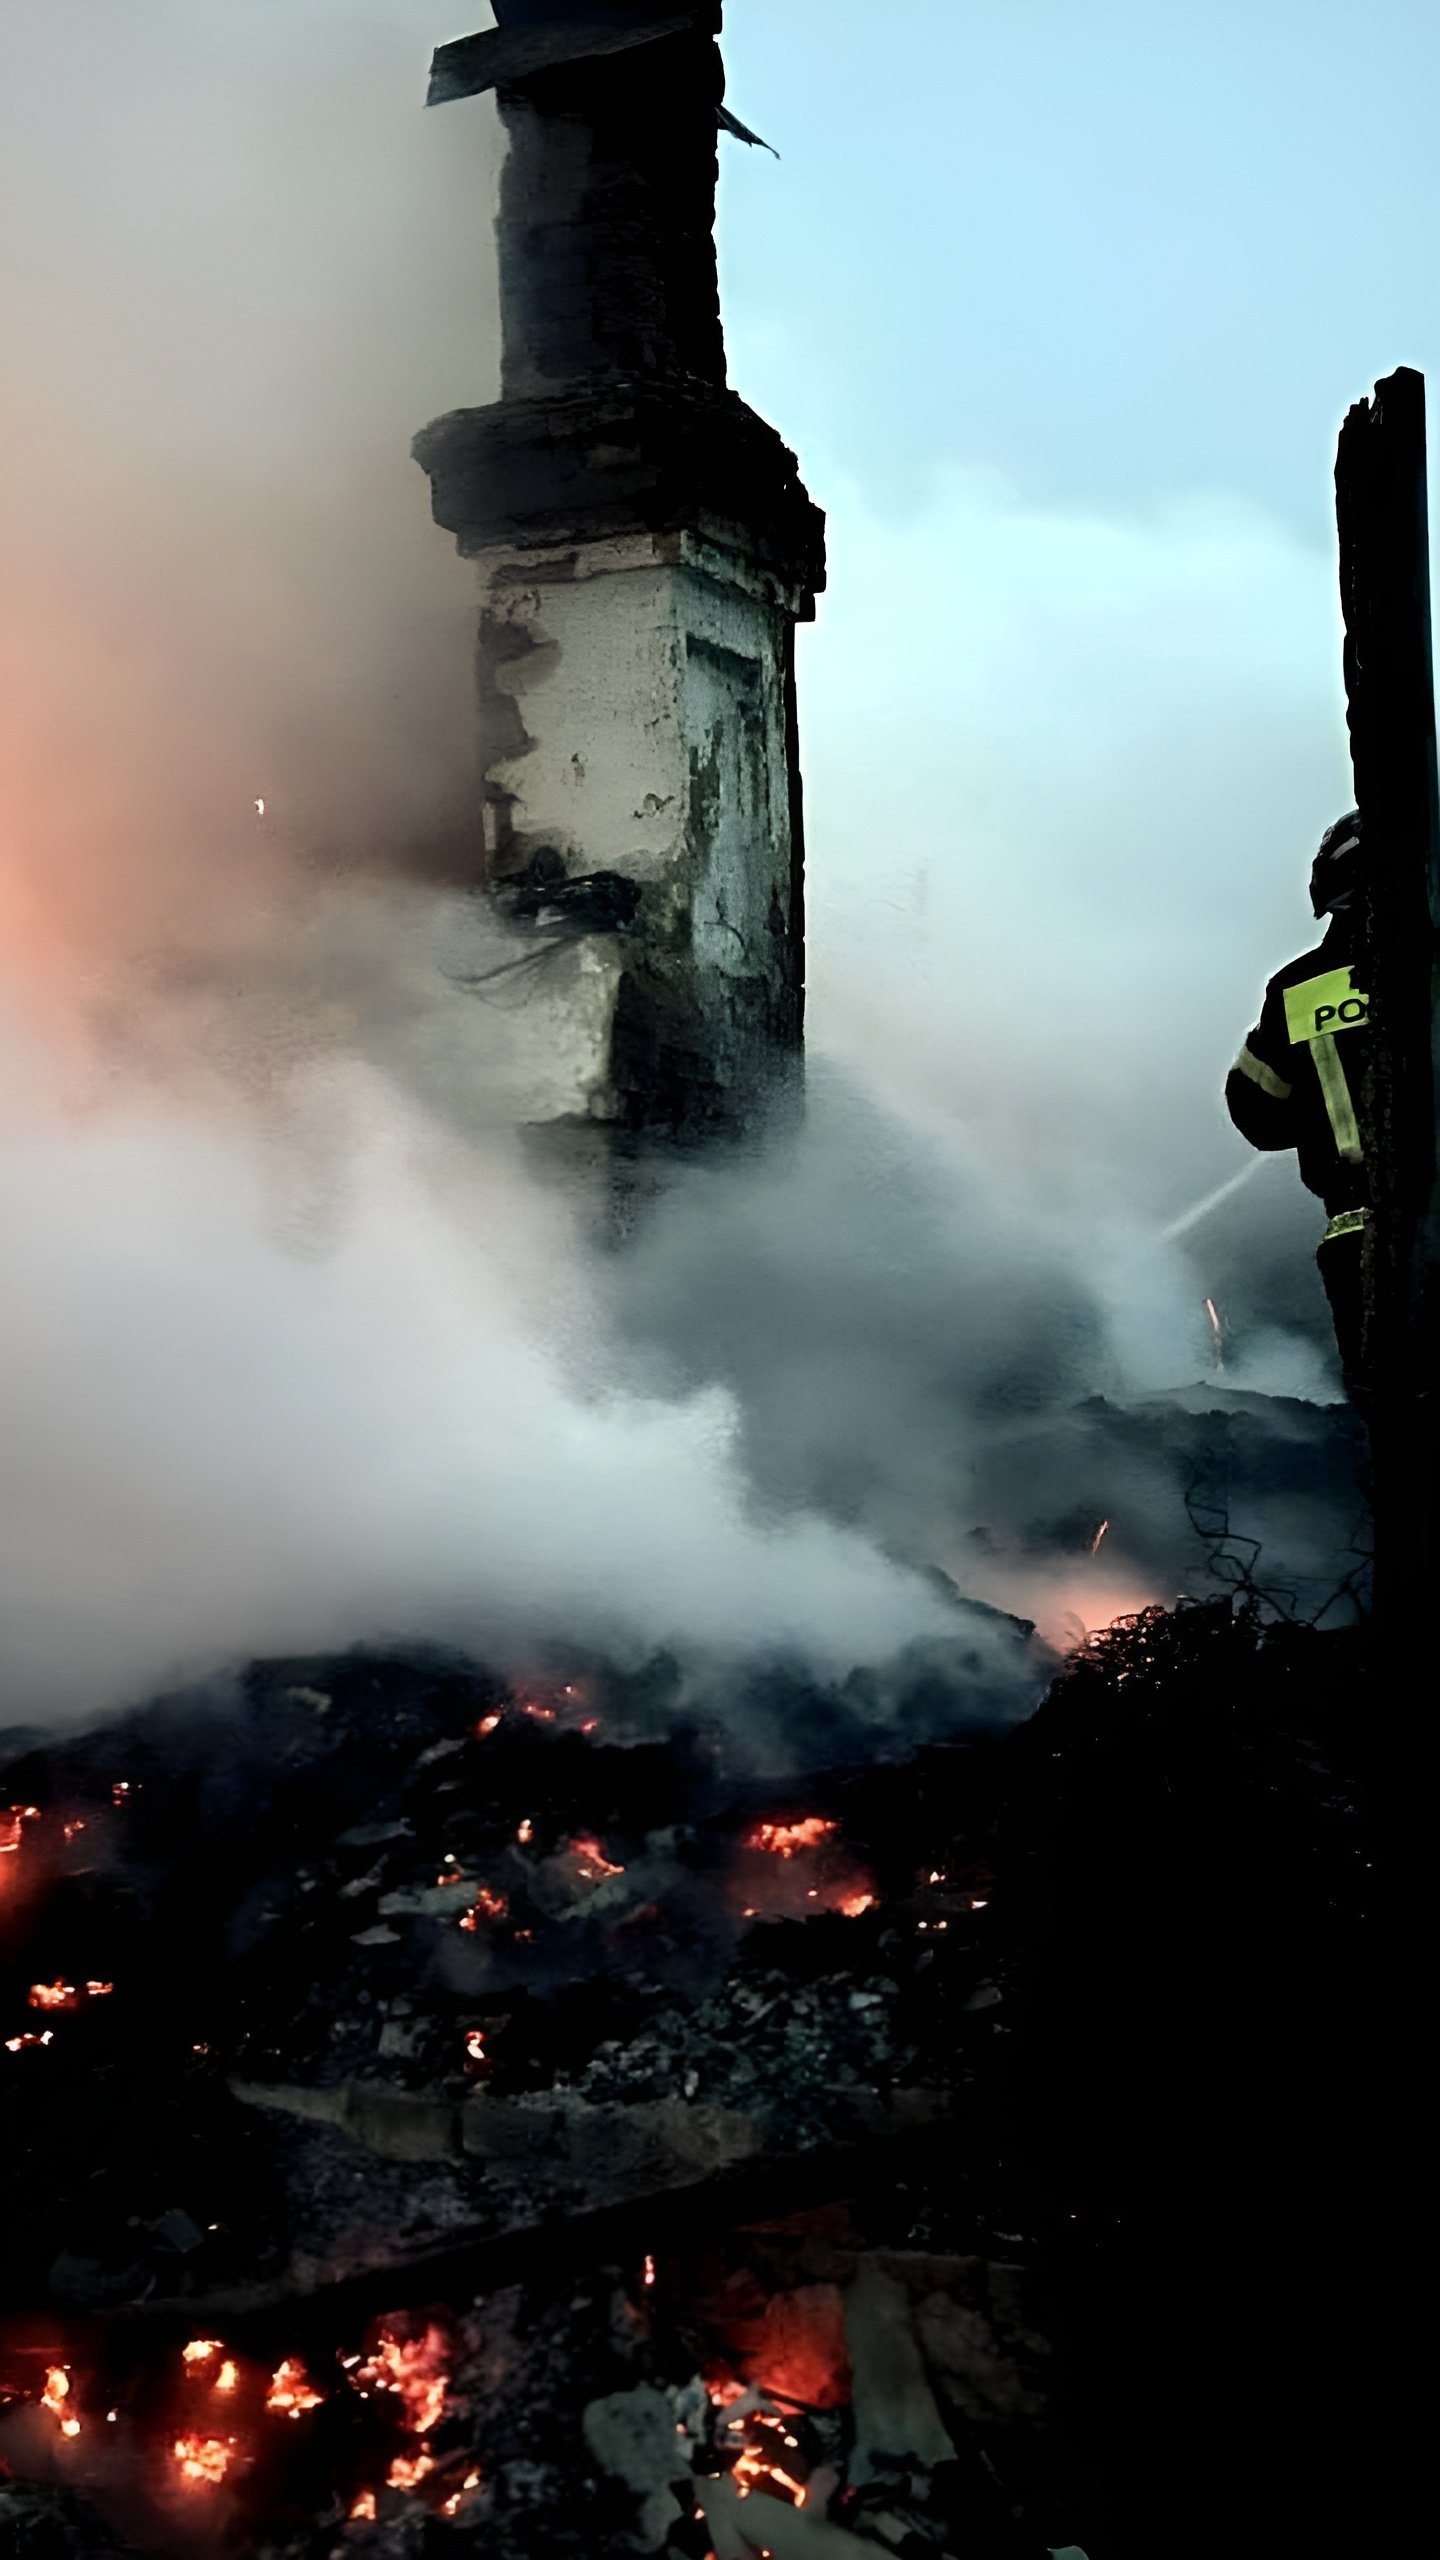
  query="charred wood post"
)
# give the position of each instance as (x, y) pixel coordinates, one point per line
(645, 548)
(1380, 487)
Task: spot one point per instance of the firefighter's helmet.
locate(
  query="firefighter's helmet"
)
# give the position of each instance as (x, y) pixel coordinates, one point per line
(1335, 872)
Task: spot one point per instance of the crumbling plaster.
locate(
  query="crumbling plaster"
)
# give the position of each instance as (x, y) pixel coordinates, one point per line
(634, 718)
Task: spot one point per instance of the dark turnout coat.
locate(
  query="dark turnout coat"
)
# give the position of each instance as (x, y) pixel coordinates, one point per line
(1294, 1085)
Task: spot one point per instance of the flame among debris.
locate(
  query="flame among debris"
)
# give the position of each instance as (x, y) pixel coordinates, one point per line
(787, 1839)
(66, 1995)
(13, 1819)
(204, 2458)
(416, 2367)
(748, 2420)
(291, 2391)
(594, 1866)
(487, 1905)
(56, 2398)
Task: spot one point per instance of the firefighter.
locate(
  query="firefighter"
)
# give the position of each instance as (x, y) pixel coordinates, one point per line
(1294, 1084)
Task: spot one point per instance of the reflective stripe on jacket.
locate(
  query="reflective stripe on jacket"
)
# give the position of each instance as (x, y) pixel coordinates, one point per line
(1291, 1085)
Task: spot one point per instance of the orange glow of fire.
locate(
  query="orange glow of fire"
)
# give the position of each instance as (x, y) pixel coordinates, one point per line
(228, 2376)
(64, 1995)
(415, 2368)
(409, 2469)
(72, 1830)
(201, 2350)
(55, 2396)
(594, 1865)
(120, 1792)
(475, 2047)
(852, 1904)
(647, 2272)
(787, 1839)
(18, 2044)
(754, 2467)
(12, 1826)
(762, 2462)
(363, 2511)
(486, 1906)
(526, 1832)
(291, 2391)
(452, 2505)
(487, 1724)
(206, 2458)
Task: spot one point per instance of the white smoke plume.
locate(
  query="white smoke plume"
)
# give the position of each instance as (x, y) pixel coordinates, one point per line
(292, 1352)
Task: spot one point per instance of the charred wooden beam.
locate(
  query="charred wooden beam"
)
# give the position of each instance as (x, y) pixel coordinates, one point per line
(1380, 490)
(285, 2312)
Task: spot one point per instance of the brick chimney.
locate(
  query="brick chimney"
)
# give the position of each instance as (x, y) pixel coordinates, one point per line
(645, 548)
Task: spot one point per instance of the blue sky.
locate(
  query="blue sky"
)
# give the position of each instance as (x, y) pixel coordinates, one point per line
(1062, 309)
(1113, 251)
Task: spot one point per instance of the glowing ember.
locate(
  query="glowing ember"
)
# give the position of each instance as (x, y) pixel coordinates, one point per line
(647, 2272)
(475, 2047)
(486, 1906)
(1099, 1534)
(451, 2506)
(291, 2391)
(526, 1832)
(415, 2368)
(787, 1839)
(18, 2044)
(765, 2439)
(73, 1830)
(98, 1990)
(53, 1995)
(204, 2457)
(12, 1824)
(363, 2511)
(120, 1792)
(200, 2350)
(487, 1724)
(409, 2469)
(852, 1904)
(228, 2376)
(55, 2395)
(595, 1866)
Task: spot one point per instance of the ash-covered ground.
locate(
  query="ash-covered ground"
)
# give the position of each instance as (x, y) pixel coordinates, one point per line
(459, 2116)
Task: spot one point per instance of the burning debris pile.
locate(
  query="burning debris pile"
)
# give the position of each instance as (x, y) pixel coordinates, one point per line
(450, 2110)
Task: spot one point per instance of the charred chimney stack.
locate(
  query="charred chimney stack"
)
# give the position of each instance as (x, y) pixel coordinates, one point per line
(645, 549)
